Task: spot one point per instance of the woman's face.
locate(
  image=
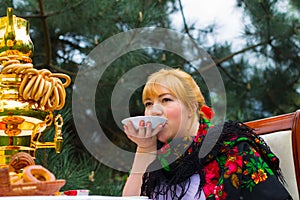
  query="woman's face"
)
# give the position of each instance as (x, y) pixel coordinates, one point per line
(164, 104)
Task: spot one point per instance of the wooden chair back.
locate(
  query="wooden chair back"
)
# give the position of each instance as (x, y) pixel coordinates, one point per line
(282, 134)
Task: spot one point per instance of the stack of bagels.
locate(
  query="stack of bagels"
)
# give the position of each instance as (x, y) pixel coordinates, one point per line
(22, 169)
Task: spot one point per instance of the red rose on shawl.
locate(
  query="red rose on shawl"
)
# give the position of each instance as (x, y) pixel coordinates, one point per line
(233, 163)
(199, 137)
(211, 171)
(212, 176)
(219, 192)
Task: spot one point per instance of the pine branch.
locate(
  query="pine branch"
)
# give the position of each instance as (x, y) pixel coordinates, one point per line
(74, 6)
(46, 34)
(230, 76)
(183, 18)
(108, 9)
(219, 61)
(268, 17)
(186, 26)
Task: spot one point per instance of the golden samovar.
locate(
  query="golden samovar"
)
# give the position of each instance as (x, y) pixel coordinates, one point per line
(28, 97)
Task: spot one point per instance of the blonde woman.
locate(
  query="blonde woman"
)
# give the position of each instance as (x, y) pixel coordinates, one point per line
(167, 163)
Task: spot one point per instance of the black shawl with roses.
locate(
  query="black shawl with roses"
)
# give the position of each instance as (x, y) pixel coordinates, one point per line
(239, 166)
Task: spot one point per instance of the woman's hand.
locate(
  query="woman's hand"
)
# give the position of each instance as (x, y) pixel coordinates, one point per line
(145, 137)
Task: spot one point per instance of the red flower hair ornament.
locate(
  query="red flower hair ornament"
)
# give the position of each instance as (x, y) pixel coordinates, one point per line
(208, 112)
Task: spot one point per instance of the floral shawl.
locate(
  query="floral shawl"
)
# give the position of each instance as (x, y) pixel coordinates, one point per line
(239, 166)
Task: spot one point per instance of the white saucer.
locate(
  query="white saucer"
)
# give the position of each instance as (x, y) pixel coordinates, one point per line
(155, 120)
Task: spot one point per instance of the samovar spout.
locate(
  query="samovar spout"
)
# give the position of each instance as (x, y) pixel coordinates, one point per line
(10, 34)
(14, 36)
(58, 139)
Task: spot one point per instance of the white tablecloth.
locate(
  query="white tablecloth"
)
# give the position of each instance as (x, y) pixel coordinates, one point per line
(72, 198)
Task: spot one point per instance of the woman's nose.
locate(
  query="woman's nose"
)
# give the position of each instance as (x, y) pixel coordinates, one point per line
(156, 109)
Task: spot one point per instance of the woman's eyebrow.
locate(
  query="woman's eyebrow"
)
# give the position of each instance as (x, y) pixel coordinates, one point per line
(159, 96)
(164, 94)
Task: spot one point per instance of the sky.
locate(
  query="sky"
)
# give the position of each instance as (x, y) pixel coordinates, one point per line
(204, 12)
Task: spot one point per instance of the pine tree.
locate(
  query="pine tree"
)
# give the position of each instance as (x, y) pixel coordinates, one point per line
(63, 33)
(261, 78)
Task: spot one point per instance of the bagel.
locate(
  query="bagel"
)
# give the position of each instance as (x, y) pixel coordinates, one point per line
(20, 160)
(37, 173)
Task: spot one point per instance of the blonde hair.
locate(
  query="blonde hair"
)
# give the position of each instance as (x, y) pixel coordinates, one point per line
(181, 85)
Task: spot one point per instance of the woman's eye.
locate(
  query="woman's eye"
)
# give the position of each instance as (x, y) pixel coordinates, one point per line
(166, 100)
(147, 104)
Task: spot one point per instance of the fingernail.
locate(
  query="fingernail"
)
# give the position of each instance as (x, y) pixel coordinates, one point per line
(142, 123)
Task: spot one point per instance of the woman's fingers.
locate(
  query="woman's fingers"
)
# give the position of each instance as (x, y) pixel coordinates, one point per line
(143, 136)
(130, 130)
(157, 129)
(143, 131)
(148, 130)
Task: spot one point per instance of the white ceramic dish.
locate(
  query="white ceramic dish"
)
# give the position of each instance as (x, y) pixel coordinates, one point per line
(155, 120)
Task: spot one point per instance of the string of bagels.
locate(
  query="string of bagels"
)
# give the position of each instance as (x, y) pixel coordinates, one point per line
(42, 86)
